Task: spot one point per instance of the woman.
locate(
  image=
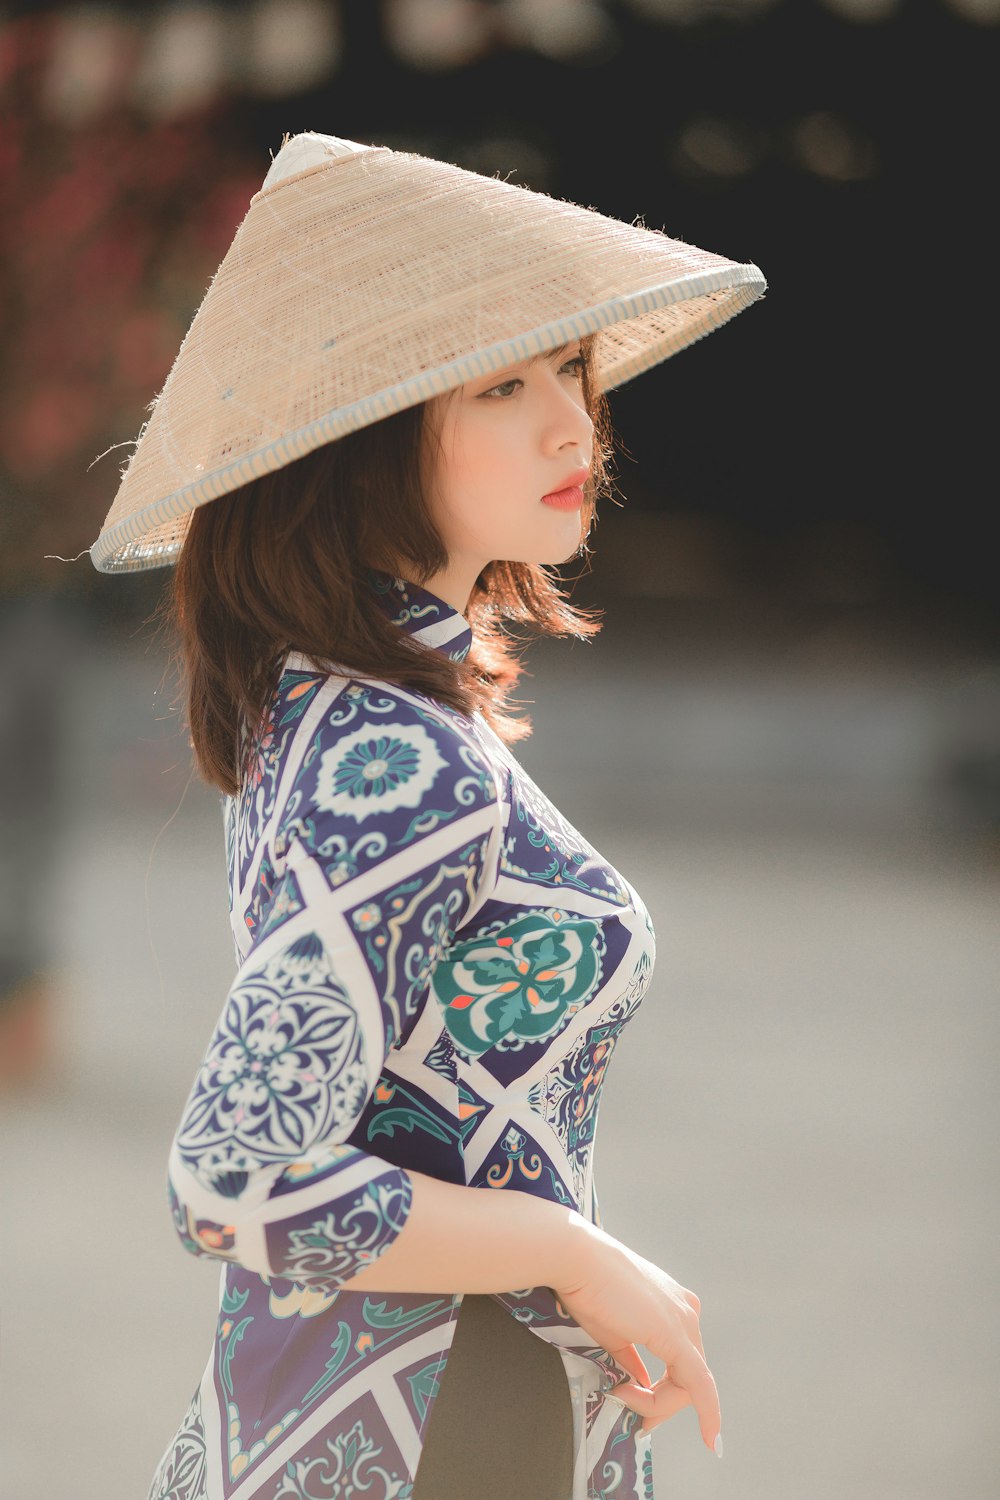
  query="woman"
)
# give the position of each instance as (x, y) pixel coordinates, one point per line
(392, 397)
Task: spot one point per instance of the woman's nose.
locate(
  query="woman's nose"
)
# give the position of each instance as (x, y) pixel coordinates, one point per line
(570, 421)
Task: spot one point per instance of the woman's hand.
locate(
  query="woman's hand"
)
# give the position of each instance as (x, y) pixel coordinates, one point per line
(623, 1300)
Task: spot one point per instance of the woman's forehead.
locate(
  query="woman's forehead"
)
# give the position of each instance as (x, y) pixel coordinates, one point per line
(532, 359)
(552, 354)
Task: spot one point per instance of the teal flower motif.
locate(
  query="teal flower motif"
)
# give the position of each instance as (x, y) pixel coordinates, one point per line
(378, 770)
(375, 767)
(523, 980)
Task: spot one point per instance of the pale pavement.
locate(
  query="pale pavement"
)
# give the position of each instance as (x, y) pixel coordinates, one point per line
(801, 1124)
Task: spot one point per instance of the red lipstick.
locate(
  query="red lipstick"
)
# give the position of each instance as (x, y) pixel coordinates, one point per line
(569, 496)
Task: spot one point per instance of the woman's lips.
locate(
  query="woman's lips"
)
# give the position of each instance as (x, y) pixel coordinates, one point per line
(570, 499)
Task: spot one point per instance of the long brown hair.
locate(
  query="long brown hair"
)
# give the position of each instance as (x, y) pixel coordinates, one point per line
(281, 564)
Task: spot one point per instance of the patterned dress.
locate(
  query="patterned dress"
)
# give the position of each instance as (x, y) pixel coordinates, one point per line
(434, 968)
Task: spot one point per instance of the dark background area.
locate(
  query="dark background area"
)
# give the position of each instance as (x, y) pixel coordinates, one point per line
(832, 444)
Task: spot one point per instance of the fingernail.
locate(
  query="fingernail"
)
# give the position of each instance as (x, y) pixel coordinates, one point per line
(717, 1445)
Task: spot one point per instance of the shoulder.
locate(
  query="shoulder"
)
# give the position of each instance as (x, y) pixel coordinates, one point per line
(375, 756)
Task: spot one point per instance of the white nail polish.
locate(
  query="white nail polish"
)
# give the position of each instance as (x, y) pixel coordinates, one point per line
(717, 1445)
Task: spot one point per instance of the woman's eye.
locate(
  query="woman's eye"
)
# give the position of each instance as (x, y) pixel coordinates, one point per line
(505, 386)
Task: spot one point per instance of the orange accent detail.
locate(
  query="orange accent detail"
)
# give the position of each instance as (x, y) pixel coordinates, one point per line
(504, 942)
(383, 1092)
(300, 688)
(465, 1110)
(498, 1182)
(462, 1002)
(508, 985)
(548, 974)
(523, 966)
(533, 996)
(364, 1342)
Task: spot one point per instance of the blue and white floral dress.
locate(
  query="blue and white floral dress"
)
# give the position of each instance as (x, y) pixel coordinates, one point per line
(434, 968)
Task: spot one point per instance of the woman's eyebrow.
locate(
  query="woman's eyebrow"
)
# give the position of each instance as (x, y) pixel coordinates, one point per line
(549, 354)
(533, 359)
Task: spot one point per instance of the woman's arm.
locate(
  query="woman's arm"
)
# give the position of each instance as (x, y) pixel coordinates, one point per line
(465, 1239)
(271, 1166)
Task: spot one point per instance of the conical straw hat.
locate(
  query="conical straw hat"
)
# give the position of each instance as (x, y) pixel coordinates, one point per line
(363, 280)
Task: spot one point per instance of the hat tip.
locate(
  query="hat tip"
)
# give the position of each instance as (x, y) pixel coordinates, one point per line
(307, 149)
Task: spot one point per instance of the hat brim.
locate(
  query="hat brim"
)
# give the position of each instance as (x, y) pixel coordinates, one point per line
(260, 380)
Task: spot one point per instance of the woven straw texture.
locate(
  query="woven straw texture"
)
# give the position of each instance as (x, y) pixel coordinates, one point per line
(379, 279)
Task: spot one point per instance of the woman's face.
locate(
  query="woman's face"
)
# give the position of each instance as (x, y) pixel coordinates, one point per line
(506, 440)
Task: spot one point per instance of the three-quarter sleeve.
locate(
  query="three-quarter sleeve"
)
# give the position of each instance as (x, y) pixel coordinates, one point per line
(383, 846)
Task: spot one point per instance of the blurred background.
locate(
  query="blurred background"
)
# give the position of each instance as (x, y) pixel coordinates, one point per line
(787, 735)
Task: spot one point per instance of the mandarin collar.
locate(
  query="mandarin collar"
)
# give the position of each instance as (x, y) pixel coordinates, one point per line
(422, 614)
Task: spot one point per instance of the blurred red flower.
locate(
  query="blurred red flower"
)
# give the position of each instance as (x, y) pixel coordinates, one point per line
(110, 232)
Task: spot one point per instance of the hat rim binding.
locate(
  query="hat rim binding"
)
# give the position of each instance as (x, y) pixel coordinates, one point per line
(746, 281)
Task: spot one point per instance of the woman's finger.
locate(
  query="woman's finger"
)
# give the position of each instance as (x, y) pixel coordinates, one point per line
(692, 1373)
(631, 1360)
(668, 1400)
(665, 1400)
(697, 1342)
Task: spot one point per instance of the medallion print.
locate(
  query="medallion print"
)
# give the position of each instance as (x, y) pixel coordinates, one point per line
(404, 934)
(358, 1331)
(518, 1160)
(377, 770)
(520, 980)
(617, 1473)
(181, 1474)
(286, 902)
(300, 1301)
(420, 1386)
(543, 848)
(254, 804)
(569, 1095)
(412, 608)
(380, 788)
(441, 1058)
(350, 1233)
(267, 1388)
(472, 1111)
(284, 1069)
(346, 1468)
(263, 891)
(397, 1106)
